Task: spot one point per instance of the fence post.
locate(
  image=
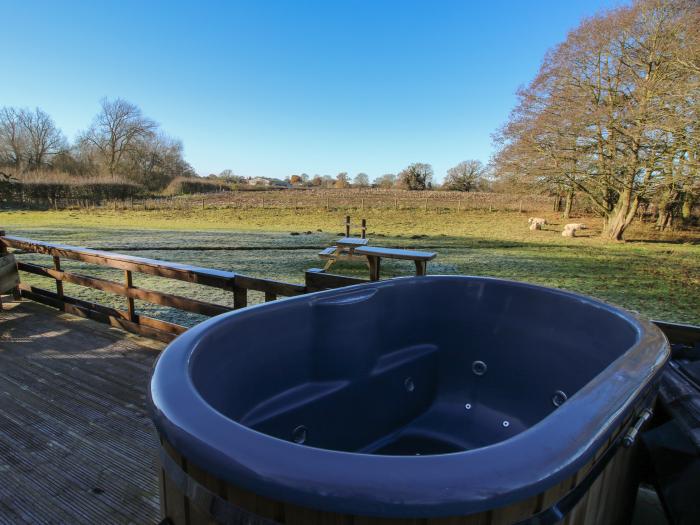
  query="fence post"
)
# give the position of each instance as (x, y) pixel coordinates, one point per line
(396, 203)
(347, 225)
(364, 228)
(520, 206)
(16, 295)
(240, 297)
(59, 283)
(426, 204)
(128, 282)
(362, 204)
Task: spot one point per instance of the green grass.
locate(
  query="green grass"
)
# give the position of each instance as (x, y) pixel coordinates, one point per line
(655, 274)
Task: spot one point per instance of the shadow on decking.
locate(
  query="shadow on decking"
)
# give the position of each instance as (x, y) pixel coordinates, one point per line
(76, 442)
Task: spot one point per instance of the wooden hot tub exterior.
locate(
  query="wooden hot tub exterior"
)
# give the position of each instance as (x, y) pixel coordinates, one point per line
(609, 501)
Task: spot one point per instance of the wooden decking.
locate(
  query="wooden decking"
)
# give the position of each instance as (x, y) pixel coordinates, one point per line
(76, 441)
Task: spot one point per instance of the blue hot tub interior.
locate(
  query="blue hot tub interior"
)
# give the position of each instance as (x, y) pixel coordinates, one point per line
(416, 367)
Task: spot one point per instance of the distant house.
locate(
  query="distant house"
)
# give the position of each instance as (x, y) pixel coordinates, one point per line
(264, 181)
(258, 181)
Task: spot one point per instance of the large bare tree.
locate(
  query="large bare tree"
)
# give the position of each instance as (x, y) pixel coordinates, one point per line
(612, 111)
(43, 138)
(465, 176)
(116, 131)
(13, 139)
(28, 139)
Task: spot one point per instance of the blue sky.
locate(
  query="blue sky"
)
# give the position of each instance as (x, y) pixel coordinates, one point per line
(275, 88)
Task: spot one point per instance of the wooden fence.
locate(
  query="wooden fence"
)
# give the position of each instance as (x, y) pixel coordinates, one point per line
(128, 318)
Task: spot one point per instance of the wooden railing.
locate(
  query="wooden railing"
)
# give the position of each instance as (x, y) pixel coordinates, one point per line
(128, 318)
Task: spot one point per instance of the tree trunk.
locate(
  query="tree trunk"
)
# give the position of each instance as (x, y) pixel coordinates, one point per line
(687, 207)
(666, 206)
(569, 203)
(621, 216)
(557, 203)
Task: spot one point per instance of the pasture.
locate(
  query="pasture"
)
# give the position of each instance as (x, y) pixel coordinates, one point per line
(655, 274)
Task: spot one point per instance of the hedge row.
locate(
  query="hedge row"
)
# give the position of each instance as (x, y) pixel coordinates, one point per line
(50, 192)
(186, 186)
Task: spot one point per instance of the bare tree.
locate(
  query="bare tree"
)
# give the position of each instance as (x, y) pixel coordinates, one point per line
(611, 113)
(43, 138)
(465, 176)
(361, 180)
(417, 176)
(386, 181)
(154, 161)
(342, 180)
(116, 130)
(13, 139)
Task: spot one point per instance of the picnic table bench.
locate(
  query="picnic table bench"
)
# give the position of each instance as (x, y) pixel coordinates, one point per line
(344, 249)
(374, 256)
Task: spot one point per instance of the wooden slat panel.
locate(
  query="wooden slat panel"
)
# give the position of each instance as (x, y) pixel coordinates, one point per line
(177, 505)
(151, 296)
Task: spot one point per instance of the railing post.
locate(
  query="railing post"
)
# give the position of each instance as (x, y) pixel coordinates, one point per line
(16, 295)
(3, 251)
(129, 283)
(59, 283)
(310, 281)
(240, 297)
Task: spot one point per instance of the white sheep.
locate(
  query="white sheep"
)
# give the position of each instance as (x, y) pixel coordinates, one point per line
(536, 223)
(571, 229)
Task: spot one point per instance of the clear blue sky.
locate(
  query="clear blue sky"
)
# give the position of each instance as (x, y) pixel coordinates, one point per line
(274, 88)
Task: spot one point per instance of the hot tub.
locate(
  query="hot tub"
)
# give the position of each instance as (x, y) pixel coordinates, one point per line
(412, 398)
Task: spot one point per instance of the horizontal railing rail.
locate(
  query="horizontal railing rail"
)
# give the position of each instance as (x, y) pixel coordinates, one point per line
(128, 318)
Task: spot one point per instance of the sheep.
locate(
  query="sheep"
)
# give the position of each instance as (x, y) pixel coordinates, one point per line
(536, 223)
(571, 229)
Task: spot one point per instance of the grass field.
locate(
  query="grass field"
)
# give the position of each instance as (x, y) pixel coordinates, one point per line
(655, 274)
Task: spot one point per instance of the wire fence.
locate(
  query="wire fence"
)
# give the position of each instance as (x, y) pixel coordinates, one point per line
(326, 199)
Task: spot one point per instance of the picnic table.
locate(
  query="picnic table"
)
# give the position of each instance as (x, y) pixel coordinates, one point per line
(375, 254)
(344, 249)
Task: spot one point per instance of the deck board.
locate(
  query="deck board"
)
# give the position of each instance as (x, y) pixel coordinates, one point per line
(76, 442)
